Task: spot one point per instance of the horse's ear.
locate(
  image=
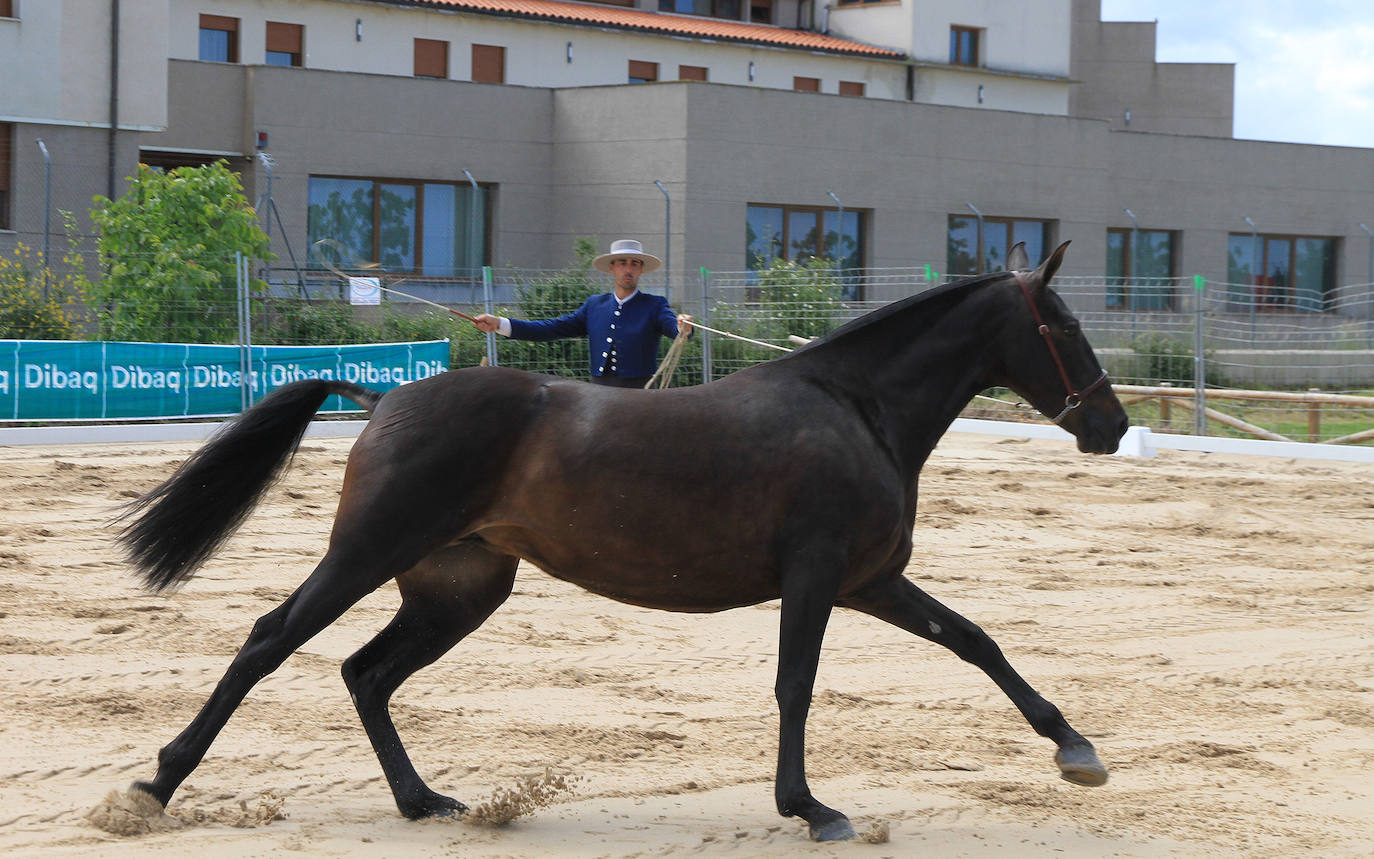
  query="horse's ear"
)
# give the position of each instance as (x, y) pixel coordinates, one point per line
(1017, 259)
(1046, 271)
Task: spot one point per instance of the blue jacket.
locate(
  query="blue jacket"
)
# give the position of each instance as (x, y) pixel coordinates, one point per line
(623, 340)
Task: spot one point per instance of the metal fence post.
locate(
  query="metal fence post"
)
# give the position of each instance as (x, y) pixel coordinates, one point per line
(487, 302)
(706, 369)
(1369, 321)
(245, 333)
(1199, 358)
(47, 216)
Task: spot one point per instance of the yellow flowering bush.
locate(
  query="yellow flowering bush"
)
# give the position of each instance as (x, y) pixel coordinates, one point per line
(37, 301)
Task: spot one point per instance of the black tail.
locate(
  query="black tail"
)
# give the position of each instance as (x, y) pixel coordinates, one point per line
(177, 527)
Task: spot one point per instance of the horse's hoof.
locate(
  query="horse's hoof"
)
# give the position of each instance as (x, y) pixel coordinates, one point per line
(146, 787)
(1080, 765)
(437, 805)
(836, 830)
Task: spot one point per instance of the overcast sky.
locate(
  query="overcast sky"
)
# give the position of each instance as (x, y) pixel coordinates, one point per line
(1304, 70)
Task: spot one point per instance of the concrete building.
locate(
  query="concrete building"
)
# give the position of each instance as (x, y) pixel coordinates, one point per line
(888, 134)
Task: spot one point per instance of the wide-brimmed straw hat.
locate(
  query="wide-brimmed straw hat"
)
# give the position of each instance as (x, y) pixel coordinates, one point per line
(626, 249)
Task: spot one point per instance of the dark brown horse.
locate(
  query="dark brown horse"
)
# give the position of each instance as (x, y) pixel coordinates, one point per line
(795, 479)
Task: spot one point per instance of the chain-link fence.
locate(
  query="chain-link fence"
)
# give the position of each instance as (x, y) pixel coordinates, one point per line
(1269, 370)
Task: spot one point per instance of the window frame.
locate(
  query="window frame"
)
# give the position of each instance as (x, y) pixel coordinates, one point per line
(287, 40)
(427, 52)
(8, 9)
(854, 286)
(485, 58)
(693, 73)
(1290, 297)
(853, 88)
(225, 24)
(957, 34)
(802, 83)
(418, 262)
(721, 9)
(1131, 291)
(1009, 223)
(641, 71)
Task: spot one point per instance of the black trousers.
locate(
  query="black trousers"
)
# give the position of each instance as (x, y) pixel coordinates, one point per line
(620, 382)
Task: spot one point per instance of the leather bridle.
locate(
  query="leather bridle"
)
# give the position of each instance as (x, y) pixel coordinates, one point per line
(1074, 399)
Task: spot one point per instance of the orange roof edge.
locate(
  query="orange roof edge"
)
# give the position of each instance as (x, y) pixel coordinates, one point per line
(661, 22)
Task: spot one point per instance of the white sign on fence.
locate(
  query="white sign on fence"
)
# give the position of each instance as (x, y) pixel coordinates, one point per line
(364, 290)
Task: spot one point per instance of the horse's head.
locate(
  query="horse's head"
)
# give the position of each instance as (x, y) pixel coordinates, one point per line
(1046, 359)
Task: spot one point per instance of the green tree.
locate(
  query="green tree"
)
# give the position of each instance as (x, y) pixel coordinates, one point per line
(167, 248)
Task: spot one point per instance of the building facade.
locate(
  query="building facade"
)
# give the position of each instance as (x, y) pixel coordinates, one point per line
(437, 135)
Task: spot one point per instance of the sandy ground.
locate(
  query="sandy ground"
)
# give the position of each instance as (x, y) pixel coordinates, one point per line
(1205, 620)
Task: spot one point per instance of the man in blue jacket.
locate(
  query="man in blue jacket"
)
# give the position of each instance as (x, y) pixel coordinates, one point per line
(622, 327)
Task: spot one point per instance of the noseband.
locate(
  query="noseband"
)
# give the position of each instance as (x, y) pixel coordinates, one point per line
(1074, 399)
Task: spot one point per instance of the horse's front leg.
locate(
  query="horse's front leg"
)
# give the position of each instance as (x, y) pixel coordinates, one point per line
(899, 602)
(808, 594)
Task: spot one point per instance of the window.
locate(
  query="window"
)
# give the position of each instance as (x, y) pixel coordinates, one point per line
(962, 256)
(851, 88)
(709, 8)
(963, 46)
(431, 58)
(691, 73)
(6, 136)
(761, 11)
(800, 233)
(488, 64)
(1140, 266)
(642, 72)
(801, 84)
(219, 39)
(167, 159)
(1276, 273)
(6, 8)
(284, 43)
(406, 226)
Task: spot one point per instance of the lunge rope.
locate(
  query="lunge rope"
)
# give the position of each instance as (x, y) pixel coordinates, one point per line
(664, 374)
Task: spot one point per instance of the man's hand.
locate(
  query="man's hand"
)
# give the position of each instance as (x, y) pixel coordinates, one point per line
(684, 323)
(487, 322)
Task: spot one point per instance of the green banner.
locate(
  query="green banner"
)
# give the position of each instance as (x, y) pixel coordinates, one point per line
(91, 380)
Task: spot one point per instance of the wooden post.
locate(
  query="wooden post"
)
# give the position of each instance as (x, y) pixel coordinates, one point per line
(1164, 405)
(1314, 418)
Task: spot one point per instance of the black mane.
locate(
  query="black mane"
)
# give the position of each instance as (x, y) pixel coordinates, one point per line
(902, 305)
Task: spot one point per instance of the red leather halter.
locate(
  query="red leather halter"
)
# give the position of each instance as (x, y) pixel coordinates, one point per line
(1074, 399)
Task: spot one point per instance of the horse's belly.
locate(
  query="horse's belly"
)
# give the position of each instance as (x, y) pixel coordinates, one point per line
(649, 574)
(678, 592)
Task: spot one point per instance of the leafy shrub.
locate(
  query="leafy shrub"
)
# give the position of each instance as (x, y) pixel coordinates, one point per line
(168, 248)
(1158, 358)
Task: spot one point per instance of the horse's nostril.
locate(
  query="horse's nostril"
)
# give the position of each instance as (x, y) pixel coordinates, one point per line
(1122, 425)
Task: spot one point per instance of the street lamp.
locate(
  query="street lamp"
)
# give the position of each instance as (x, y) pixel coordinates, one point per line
(667, 239)
(978, 264)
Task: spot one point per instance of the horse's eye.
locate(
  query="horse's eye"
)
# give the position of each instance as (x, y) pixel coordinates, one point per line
(1072, 330)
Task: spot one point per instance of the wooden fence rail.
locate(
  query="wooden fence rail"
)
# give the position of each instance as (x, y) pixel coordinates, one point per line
(1313, 400)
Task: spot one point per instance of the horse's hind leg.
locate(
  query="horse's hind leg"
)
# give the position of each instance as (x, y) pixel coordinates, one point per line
(329, 591)
(899, 602)
(443, 598)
